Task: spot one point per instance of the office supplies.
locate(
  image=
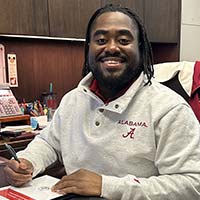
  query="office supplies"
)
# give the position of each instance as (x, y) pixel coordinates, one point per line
(8, 103)
(40, 189)
(34, 123)
(50, 100)
(17, 128)
(10, 194)
(12, 152)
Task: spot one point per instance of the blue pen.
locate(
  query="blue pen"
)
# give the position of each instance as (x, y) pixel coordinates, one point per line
(12, 152)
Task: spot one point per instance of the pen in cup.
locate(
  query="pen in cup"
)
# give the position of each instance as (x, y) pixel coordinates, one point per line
(12, 152)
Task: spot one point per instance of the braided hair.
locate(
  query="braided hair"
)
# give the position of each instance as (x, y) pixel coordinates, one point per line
(145, 46)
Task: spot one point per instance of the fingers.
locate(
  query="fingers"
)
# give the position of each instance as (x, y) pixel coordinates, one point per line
(24, 167)
(18, 173)
(81, 182)
(3, 159)
(67, 187)
(16, 179)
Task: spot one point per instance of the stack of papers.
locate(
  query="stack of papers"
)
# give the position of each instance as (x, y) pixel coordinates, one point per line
(37, 189)
(26, 128)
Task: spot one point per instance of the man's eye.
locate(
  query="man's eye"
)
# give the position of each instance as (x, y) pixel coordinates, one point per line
(124, 41)
(101, 41)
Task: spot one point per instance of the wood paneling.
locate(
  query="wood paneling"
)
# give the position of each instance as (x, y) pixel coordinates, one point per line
(162, 20)
(41, 62)
(69, 18)
(165, 52)
(27, 17)
(136, 5)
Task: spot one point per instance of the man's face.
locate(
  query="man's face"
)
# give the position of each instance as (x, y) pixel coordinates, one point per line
(113, 51)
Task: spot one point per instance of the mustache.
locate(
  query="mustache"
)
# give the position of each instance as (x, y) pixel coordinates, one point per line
(110, 54)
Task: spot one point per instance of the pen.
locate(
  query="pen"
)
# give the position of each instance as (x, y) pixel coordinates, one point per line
(12, 152)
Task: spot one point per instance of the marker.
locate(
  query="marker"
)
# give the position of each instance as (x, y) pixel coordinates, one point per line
(12, 152)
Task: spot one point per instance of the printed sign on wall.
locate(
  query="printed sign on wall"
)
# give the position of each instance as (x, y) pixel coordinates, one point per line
(12, 70)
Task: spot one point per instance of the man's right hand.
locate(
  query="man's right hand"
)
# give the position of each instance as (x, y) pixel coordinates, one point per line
(18, 173)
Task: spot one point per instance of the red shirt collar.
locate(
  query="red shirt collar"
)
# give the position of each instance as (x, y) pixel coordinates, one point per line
(94, 87)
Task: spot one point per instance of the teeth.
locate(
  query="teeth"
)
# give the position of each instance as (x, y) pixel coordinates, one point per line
(112, 62)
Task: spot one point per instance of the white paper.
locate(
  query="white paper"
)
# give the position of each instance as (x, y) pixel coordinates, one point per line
(39, 188)
(18, 128)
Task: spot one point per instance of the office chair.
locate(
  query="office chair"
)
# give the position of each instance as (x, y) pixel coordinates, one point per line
(184, 78)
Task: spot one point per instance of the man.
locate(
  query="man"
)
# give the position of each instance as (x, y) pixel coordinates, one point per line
(119, 134)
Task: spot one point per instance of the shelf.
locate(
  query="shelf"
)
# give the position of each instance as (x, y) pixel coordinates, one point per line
(20, 142)
(22, 119)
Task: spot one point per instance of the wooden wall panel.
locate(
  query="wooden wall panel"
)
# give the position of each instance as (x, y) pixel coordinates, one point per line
(69, 18)
(26, 17)
(165, 52)
(136, 5)
(162, 20)
(40, 62)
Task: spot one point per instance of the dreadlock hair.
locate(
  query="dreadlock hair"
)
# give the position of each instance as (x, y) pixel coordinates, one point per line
(145, 46)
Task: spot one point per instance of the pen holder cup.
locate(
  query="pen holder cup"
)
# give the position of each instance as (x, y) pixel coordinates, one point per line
(50, 100)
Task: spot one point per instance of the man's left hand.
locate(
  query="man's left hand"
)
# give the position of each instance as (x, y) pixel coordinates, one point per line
(82, 182)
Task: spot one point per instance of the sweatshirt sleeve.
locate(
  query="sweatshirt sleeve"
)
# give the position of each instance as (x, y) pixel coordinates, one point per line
(44, 150)
(177, 160)
(163, 187)
(40, 154)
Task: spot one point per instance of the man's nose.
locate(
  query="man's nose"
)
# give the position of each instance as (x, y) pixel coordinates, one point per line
(112, 46)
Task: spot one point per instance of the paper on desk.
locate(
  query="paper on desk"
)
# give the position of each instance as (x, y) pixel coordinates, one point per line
(37, 189)
(18, 128)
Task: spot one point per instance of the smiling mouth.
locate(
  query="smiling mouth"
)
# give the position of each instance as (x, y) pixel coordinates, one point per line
(112, 62)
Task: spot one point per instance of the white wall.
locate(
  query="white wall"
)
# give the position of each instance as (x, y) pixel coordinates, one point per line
(190, 30)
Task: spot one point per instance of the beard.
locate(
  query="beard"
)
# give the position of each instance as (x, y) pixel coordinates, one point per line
(115, 82)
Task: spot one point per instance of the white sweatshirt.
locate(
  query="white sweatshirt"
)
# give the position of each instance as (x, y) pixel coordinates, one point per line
(145, 144)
